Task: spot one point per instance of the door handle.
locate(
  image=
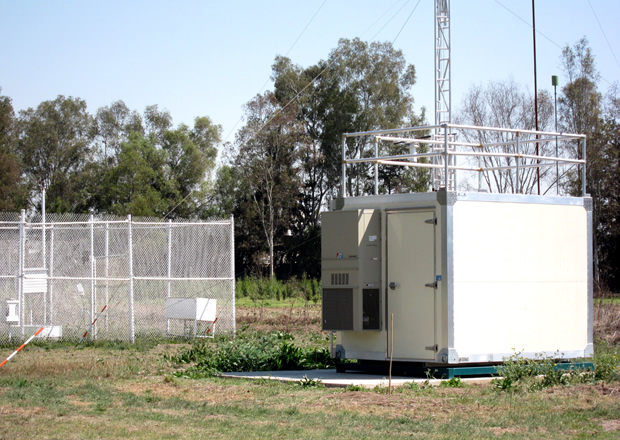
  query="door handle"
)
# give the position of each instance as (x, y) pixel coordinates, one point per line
(433, 285)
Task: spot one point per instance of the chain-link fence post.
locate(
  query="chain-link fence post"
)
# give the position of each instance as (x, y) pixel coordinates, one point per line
(50, 280)
(232, 271)
(169, 287)
(91, 227)
(132, 336)
(20, 275)
(106, 271)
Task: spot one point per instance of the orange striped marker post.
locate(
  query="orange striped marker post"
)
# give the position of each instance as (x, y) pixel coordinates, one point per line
(22, 346)
(93, 324)
(212, 326)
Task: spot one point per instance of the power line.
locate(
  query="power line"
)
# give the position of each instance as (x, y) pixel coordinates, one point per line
(289, 51)
(379, 19)
(390, 20)
(329, 64)
(550, 40)
(304, 30)
(527, 23)
(604, 34)
(406, 21)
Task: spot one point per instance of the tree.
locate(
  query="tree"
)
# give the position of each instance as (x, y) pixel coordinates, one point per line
(7, 125)
(160, 173)
(580, 102)
(137, 184)
(288, 157)
(361, 87)
(581, 110)
(223, 195)
(13, 195)
(603, 177)
(190, 158)
(267, 161)
(55, 144)
(157, 123)
(114, 124)
(503, 104)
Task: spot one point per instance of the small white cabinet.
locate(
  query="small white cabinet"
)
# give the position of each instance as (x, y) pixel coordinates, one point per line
(192, 309)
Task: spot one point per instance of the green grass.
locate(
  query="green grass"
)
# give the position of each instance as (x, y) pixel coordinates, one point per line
(272, 303)
(158, 407)
(615, 299)
(123, 391)
(294, 291)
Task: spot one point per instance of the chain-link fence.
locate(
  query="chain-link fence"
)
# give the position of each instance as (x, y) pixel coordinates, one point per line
(115, 278)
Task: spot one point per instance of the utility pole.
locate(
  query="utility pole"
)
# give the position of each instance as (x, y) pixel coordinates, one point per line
(554, 83)
(535, 94)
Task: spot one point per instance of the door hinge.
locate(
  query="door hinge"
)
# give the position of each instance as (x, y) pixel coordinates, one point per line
(431, 221)
(433, 285)
(432, 348)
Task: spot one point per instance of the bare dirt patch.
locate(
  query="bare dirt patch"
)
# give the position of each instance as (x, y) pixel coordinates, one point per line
(190, 391)
(441, 403)
(23, 412)
(499, 431)
(611, 425)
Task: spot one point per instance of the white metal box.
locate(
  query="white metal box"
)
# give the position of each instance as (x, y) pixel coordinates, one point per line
(468, 277)
(198, 309)
(48, 332)
(12, 311)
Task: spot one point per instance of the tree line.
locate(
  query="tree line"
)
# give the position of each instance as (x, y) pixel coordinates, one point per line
(284, 164)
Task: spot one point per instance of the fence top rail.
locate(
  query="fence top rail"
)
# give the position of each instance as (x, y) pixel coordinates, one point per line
(464, 127)
(52, 223)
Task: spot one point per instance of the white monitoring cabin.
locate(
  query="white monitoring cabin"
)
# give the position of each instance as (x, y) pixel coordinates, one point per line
(469, 276)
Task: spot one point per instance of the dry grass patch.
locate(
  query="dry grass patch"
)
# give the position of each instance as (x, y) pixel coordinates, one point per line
(191, 391)
(611, 425)
(607, 322)
(290, 320)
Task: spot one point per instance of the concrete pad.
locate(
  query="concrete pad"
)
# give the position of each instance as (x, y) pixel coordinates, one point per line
(330, 378)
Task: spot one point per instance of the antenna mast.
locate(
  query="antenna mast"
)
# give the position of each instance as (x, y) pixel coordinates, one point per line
(443, 94)
(443, 97)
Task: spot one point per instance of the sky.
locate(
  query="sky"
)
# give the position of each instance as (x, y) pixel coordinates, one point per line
(208, 58)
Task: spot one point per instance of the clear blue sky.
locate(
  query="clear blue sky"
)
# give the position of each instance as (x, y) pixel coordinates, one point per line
(197, 58)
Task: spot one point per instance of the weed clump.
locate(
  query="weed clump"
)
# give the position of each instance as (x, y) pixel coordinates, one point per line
(250, 352)
(518, 373)
(607, 361)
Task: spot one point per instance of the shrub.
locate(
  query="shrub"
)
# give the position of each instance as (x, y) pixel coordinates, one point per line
(259, 289)
(250, 352)
(454, 382)
(523, 374)
(607, 362)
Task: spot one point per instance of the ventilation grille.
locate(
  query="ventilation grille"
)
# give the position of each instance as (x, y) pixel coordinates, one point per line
(340, 279)
(337, 309)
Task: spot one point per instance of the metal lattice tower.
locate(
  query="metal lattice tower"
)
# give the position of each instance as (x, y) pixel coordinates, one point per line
(443, 96)
(443, 93)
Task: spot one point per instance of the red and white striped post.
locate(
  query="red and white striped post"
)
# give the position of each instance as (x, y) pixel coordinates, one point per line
(22, 346)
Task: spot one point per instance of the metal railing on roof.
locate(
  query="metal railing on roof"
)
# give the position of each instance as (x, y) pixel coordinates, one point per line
(492, 149)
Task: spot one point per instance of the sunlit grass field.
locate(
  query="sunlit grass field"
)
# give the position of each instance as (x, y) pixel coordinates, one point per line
(118, 390)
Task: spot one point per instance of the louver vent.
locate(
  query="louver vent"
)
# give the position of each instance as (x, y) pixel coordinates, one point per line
(340, 279)
(337, 309)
